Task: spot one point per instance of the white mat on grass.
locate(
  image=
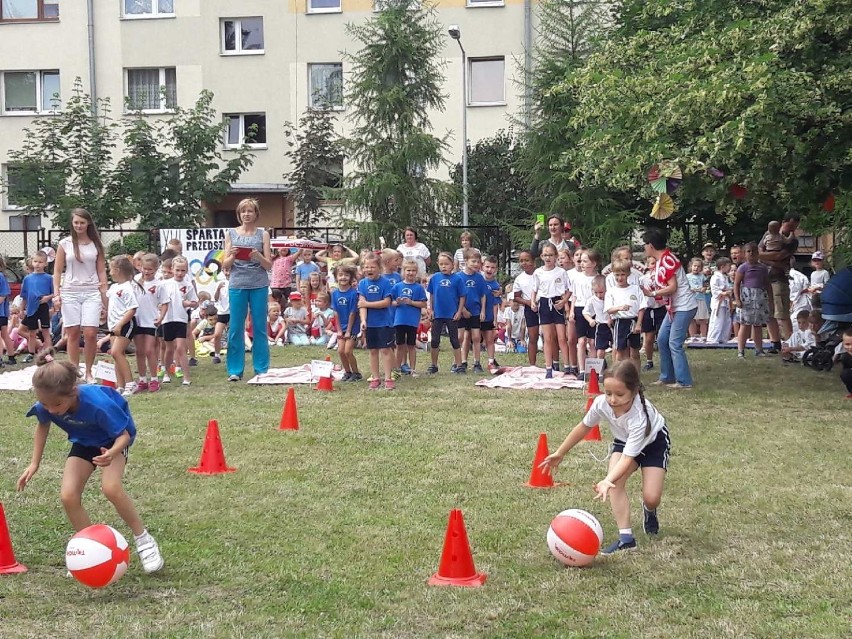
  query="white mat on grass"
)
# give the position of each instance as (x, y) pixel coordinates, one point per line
(529, 378)
(292, 375)
(17, 380)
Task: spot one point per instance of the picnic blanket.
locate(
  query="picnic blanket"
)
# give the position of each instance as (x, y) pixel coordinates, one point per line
(291, 375)
(529, 378)
(729, 344)
(18, 380)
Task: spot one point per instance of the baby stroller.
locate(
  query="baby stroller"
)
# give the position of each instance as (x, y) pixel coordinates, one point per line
(837, 314)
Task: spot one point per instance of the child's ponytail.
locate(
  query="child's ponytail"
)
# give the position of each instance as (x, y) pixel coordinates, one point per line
(645, 409)
(54, 376)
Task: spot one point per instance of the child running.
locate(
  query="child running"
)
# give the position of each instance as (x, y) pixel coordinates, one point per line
(344, 301)
(122, 302)
(446, 301)
(101, 430)
(641, 441)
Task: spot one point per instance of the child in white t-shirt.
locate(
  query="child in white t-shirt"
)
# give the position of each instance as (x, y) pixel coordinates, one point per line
(801, 340)
(516, 327)
(625, 303)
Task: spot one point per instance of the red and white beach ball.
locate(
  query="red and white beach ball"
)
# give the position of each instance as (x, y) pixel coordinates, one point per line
(97, 556)
(575, 537)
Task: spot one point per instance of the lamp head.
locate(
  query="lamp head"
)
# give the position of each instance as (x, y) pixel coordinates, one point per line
(454, 31)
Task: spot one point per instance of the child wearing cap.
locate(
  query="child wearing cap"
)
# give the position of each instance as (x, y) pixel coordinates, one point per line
(819, 276)
(296, 318)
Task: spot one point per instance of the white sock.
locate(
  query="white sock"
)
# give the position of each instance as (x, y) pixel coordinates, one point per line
(141, 538)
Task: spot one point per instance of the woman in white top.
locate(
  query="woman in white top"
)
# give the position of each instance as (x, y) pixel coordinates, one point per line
(80, 285)
(669, 282)
(413, 250)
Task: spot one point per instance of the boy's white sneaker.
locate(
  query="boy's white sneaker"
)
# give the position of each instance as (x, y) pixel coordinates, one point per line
(149, 553)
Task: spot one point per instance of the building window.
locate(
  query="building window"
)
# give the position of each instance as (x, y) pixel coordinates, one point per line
(151, 89)
(326, 86)
(29, 10)
(324, 6)
(30, 92)
(149, 8)
(24, 222)
(10, 186)
(247, 129)
(485, 3)
(242, 35)
(487, 81)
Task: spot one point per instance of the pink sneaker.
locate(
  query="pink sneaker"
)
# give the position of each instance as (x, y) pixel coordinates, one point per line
(374, 384)
(154, 386)
(141, 386)
(390, 384)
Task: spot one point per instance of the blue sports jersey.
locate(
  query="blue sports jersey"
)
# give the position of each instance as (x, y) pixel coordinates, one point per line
(102, 415)
(344, 304)
(304, 270)
(393, 279)
(375, 291)
(474, 289)
(446, 291)
(34, 287)
(493, 297)
(5, 292)
(407, 315)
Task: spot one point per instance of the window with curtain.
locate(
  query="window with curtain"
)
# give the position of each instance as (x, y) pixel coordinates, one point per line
(324, 6)
(326, 86)
(487, 81)
(242, 35)
(151, 89)
(149, 7)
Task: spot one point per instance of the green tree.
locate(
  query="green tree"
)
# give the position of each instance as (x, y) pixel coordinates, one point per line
(396, 79)
(759, 91)
(316, 157)
(569, 32)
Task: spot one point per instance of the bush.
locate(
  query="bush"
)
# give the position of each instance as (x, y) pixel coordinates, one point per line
(129, 245)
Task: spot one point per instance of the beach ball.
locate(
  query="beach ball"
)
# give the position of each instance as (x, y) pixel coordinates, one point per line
(575, 537)
(97, 556)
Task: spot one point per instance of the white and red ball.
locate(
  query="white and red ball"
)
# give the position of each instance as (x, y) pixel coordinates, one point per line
(575, 537)
(97, 556)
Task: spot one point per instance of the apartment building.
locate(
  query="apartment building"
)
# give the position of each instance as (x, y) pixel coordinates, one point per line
(262, 59)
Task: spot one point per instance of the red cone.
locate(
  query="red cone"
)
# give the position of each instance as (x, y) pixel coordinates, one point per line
(593, 435)
(594, 387)
(8, 564)
(538, 477)
(456, 568)
(212, 460)
(325, 383)
(290, 417)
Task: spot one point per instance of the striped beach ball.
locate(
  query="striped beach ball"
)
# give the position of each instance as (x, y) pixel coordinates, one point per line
(97, 556)
(575, 537)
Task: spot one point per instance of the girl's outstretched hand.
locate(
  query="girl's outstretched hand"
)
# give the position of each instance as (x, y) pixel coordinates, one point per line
(551, 463)
(602, 488)
(26, 477)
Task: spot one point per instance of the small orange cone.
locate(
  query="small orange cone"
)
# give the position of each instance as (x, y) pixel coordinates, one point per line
(325, 383)
(456, 568)
(538, 477)
(8, 564)
(290, 417)
(593, 435)
(594, 387)
(212, 460)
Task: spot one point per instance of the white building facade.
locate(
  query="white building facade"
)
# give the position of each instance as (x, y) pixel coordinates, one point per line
(262, 59)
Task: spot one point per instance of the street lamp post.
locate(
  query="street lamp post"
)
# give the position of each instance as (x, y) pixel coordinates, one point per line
(455, 34)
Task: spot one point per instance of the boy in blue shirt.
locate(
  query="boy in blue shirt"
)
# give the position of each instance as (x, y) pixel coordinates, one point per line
(374, 293)
(37, 300)
(446, 303)
(473, 314)
(492, 309)
(409, 299)
(344, 301)
(305, 267)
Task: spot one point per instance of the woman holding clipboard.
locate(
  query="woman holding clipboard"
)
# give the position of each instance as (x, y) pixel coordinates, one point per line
(248, 255)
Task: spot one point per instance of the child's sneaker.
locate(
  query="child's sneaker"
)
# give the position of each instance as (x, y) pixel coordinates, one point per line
(26, 359)
(432, 370)
(477, 368)
(193, 361)
(233, 378)
(461, 369)
(11, 361)
(346, 377)
(651, 524)
(186, 382)
(179, 372)
(649, 366)
(149, 553)
(759, 354)
(141, 386)
(405, 369)
(217, 359)
(356, 377)
(395, 374)
(390, 384)
(374, 384)
(129, 390)
(618, 545)
(154, 386)
(167, 379)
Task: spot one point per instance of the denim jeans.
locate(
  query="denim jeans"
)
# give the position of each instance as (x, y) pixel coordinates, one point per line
(242, 301)
(674, 367)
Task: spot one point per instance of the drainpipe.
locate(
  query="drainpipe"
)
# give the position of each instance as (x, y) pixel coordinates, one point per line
(528, 52)
(93, 88)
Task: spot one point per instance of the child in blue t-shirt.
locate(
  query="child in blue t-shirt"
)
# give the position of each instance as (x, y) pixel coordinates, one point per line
(492, 309)
(446, 302)
(409, 299)
(305, 267)
(344, 301)
(36, 296)
(473, 314)
(374, 293)
(5, 292)
(101, 430)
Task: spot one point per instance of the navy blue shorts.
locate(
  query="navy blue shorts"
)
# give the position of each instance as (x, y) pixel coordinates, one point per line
(438, 328)
(406, 335)
(469, 323)
(39, 319)
(380, 337)
(548, 313)
(90, 452)
(531, 317)
(603, 336)
(129, 329)
(487, 325)
(624, 335)
(145, 330)
(653, 319)
(655, 454)
(581, 324)
(173, 331)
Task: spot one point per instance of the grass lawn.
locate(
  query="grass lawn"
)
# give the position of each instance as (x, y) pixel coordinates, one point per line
(332, 531)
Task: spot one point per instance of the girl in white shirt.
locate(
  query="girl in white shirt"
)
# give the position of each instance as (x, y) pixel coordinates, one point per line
(145, 338)
(641, 441)
(550, 298)
(122, 303)
(569, 259)
(522, 292)
(590, 260)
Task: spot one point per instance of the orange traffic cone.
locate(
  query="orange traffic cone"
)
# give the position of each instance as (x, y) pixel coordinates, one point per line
(212, 460)
(593, 435)
(290, 417)
(594, 387)
(8, 564)
(456, 568)
(538, 477)
(325, 383)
